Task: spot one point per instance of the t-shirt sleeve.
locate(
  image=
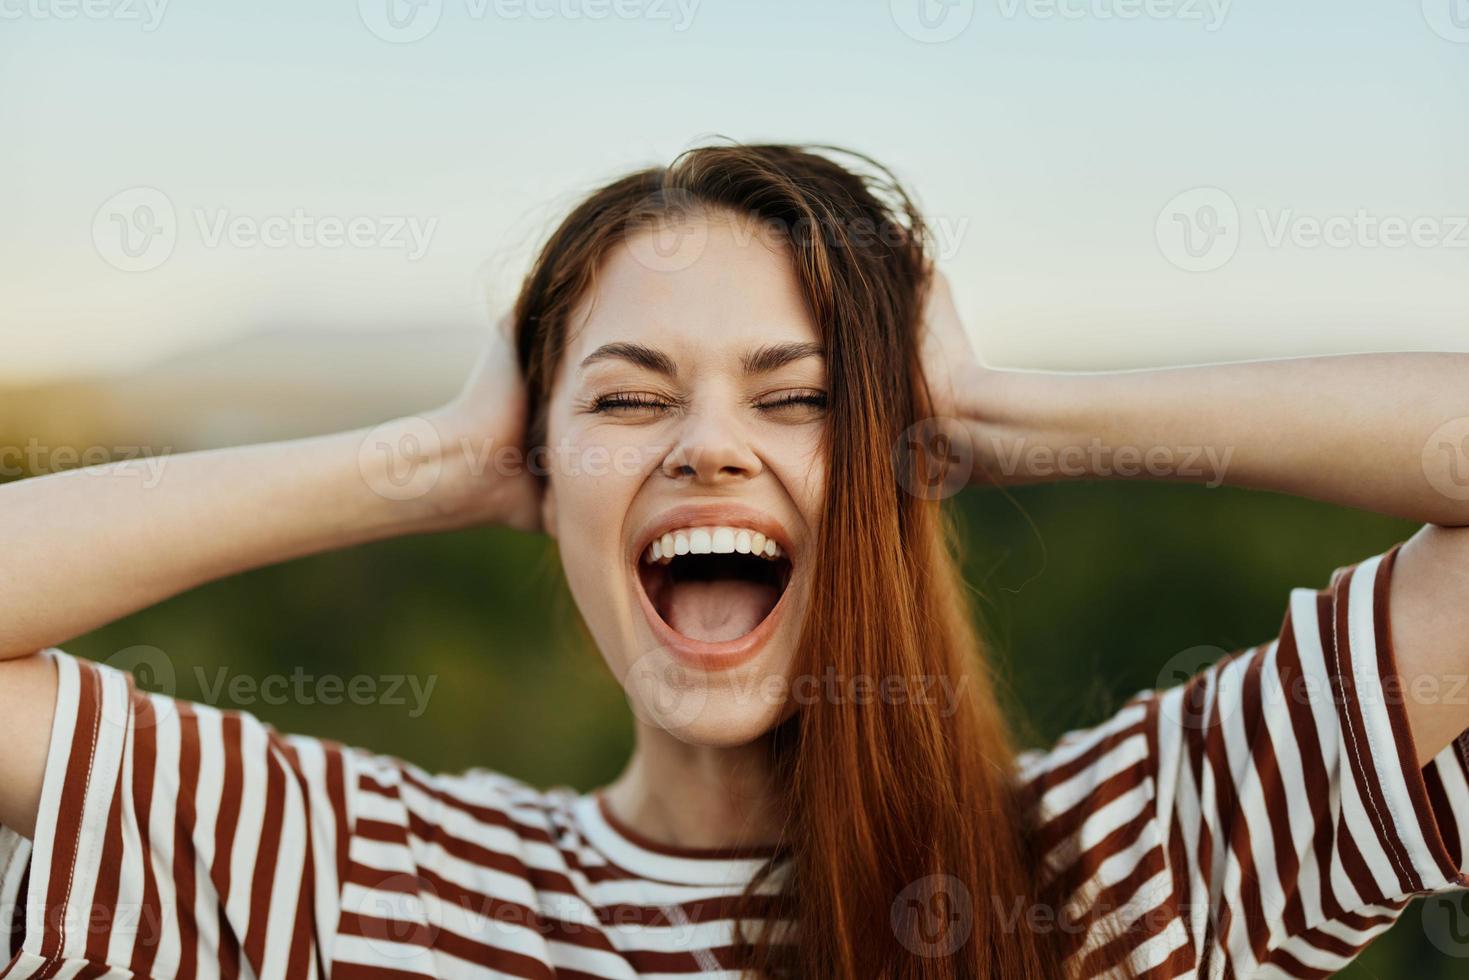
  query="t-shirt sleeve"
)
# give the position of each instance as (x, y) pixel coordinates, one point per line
(174, 839)
(1266, 818)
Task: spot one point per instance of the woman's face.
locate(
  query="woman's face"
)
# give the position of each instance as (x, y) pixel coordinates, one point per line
(685, 428)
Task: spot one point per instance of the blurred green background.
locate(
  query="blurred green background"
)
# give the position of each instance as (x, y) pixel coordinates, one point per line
(1086, 591)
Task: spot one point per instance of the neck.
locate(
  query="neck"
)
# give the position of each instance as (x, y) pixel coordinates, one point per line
(698, 796)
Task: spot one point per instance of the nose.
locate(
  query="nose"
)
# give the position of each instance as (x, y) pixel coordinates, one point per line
(711, 449)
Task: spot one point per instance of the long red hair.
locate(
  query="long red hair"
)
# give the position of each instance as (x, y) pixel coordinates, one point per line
(907, 845)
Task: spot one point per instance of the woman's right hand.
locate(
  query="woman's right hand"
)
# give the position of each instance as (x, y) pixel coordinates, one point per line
(484, 477)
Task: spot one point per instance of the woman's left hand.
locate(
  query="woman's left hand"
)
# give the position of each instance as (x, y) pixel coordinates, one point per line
(992, 411)
(949, 362)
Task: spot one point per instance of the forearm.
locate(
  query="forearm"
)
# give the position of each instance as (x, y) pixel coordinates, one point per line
(1369, 431)
(88, 546)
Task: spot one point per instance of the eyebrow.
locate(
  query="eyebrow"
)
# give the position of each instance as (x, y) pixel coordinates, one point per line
(761, 360)
(639, 354)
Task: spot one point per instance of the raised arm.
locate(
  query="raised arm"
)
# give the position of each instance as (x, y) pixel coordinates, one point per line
(88, 546)
(1381, 432)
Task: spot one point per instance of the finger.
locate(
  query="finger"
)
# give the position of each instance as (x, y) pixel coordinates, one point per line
(505, 325)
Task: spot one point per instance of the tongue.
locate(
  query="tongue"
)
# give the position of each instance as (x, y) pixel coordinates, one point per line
(724, 609)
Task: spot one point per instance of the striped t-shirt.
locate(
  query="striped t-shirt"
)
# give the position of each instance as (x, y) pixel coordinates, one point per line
(1266, 819)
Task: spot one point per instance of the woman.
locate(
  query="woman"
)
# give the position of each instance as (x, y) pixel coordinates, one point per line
(722, 362)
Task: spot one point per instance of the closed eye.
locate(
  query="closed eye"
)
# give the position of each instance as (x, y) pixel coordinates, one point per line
(629, 403)
(796, 405)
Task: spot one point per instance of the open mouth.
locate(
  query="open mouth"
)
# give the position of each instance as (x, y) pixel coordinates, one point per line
(714, 584)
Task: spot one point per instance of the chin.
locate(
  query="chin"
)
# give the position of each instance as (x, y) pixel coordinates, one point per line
(732, 722)
(718, 708)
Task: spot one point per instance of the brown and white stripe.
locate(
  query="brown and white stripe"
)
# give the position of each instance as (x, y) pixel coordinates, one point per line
(1265, 819)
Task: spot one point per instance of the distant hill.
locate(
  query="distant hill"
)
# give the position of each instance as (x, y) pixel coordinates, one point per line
(271, 385)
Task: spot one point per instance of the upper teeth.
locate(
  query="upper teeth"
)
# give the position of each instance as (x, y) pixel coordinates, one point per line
(711, 541)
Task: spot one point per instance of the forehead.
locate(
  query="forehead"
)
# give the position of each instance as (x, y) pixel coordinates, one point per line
(708, 289)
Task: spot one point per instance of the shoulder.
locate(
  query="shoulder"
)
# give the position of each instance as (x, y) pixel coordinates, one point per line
(385, 787)
(1243, 782)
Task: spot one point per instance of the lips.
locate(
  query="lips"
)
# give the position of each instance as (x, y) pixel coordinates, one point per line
(712, 582)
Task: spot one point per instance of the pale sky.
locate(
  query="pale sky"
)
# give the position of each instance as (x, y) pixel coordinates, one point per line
(1114, 182)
